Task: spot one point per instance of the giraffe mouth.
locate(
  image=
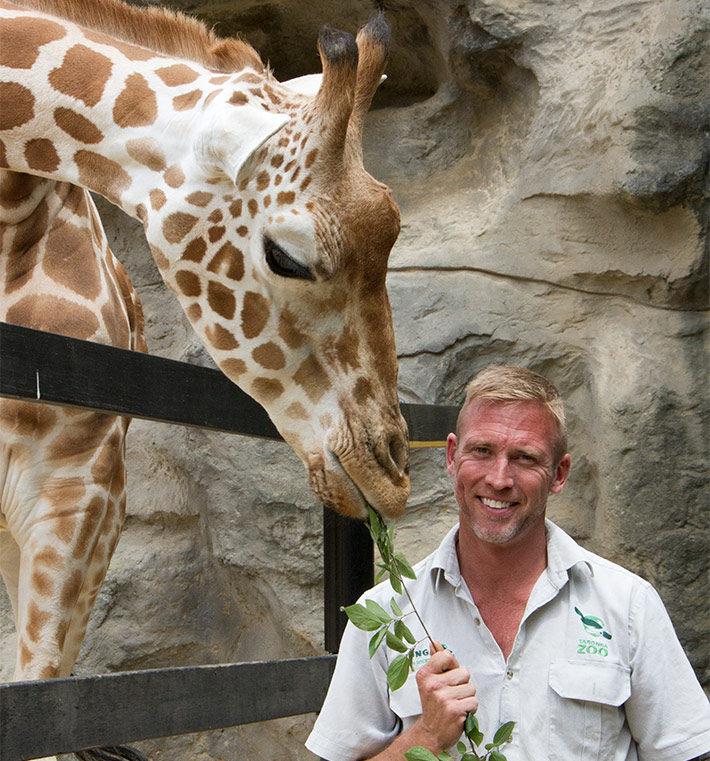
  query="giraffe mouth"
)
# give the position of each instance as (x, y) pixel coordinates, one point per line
(351, 480)
(334, 487)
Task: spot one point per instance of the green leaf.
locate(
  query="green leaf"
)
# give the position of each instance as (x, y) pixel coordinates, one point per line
(403, 566)
(497, 756)
(396, 584)
(362, 618)
(395, 608)
(395, 643)
(461, 747)
(444, 756)
(378, 611)
(469, 757)
(376, 641)
(471, 729)
(402, 631)
(503, 733)
(398, 672)
(419, 753)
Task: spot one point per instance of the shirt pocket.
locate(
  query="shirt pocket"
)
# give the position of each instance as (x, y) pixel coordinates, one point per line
(586, 714)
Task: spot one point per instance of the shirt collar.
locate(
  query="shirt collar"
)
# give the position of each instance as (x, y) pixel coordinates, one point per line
(563, 555)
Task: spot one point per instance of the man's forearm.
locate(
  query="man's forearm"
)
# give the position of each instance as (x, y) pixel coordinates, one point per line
(415, 735)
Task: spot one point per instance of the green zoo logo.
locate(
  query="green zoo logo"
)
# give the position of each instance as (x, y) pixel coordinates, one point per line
(596, 628)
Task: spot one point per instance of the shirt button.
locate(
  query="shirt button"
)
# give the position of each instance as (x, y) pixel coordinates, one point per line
(477, 621)
(509, 673)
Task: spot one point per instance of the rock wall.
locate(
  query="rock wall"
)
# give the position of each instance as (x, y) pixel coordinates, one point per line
(550, 161)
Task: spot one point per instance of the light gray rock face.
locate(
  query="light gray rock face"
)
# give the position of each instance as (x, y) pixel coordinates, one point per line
(550, 162)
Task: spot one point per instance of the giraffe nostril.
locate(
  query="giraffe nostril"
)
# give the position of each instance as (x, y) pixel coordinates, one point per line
(399, 454)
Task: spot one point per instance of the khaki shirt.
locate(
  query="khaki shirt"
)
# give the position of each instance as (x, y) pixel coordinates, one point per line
(615, 686)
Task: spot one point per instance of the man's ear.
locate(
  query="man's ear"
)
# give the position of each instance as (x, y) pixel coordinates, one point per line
(451, 443)
(561, 473)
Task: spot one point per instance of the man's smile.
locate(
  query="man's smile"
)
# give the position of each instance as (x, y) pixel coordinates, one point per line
(495, 503)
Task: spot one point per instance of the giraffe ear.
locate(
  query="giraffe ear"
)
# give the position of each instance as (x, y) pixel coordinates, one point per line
(309, 84)
(228, 145)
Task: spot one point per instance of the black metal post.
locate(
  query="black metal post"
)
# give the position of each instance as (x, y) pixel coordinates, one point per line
(348, 569)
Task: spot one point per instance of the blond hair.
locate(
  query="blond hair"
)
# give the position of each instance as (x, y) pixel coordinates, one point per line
(509, 384)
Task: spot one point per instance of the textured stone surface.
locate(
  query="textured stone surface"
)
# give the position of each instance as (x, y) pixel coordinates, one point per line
(550, 164)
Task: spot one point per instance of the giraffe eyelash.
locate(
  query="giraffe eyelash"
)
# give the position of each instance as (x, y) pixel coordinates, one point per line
(280, 263)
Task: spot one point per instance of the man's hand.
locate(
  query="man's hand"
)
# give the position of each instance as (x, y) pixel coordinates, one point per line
(447, 696)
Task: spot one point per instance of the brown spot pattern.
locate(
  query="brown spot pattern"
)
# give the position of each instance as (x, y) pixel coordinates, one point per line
(157, 199)
(54, 314)
(147, 151)
(102, 175)
(228, 261)
(221, 299)
(77, 126)
(36, 619)
(262, 180)
(65, 261)
(189, 283)
(312, 379)
(255, 314)
(238, 99)
(21, 39)
(195, 250)
(41, 583)
(174, 176)
(178, 225)
(136, 106)
(71, 589)
(17, 105)
(26, 419)
(41, 155)
(235, 208)
(285, 197)
(199, 198)
(288, 332)
(89, 526)
(253, 207)
(221, 338)
(267, 389)
(215, 233)
(187, 101)
(297, 411)
(233, 367)
(82, 75)
(270, 356)
(177, 74)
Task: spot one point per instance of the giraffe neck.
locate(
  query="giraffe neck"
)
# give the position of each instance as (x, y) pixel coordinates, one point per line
(119, 120)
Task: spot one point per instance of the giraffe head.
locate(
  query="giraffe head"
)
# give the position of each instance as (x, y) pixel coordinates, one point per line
(280, 258)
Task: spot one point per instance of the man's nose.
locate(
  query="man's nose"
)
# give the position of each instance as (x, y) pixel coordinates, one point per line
(499, 475)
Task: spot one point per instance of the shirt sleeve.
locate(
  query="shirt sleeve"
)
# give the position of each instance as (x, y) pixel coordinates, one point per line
(668, 712)
(355, 721)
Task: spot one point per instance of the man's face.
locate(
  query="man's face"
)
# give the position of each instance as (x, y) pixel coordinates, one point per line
(504, 467)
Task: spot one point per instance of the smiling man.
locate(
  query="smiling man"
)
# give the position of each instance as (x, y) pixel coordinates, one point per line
(577, 651)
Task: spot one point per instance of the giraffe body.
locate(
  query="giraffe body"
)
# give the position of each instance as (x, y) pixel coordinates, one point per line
(261, 219)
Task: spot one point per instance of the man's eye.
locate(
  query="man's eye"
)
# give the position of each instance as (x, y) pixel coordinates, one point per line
(280, 263)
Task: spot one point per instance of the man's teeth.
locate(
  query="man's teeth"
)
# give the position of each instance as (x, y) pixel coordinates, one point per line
(494, 503)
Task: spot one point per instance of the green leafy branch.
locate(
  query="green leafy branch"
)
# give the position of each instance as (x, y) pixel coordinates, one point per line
(391, 629)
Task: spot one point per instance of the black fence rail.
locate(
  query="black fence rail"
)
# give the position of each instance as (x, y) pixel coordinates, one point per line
(64, 715)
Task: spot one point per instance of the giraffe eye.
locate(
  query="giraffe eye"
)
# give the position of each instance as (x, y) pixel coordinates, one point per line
(280, 263)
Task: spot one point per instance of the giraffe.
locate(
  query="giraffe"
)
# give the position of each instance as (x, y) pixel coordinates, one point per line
(261, 219)
(49, 230)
